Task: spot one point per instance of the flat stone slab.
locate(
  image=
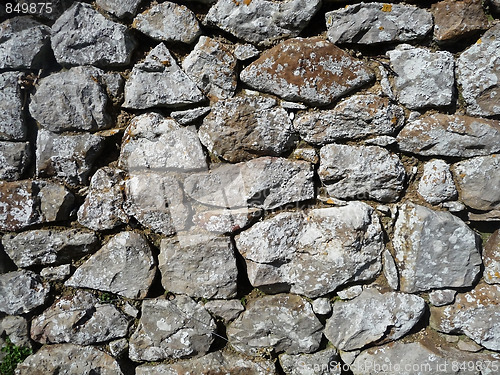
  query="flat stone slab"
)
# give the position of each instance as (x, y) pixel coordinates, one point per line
(12, 126)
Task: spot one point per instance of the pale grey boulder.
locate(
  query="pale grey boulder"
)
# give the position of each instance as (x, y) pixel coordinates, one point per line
(120, 8)
(324, 362)
(21, 292)
(436, 184)
(14, 159)
(12, 126)
(442, 297)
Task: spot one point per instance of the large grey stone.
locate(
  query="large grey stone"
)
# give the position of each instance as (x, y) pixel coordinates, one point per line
(434, 249)
(246, 127)
(324, 362)
(120, 8)
(262, 21)
(312, 70)
(12, 126)
(124, 266)
(314, 254)
(159, 82)
(82, 36)
(366, 172)
(21, 292)
(436, 184)
(369, 23)
(14, 159)
(491, 259)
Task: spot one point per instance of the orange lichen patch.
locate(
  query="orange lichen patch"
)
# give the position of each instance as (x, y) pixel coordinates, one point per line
(330, 201)
(394, 120)
(247, 2)
(479, 41)
(462, 175)
(381, 28)
(165, 63)
(387, 8)
(236, 2)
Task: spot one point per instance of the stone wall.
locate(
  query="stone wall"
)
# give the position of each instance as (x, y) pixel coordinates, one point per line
(251, 187)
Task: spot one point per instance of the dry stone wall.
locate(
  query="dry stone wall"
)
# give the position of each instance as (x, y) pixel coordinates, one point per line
(250, 186)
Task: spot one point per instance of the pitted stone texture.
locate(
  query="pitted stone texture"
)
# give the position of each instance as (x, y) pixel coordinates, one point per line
(451, 136)
(434, 249)
(436, 184)
(159, 82)
(478, 182)
(266, 183)
(82, 36)
(212, 66)
(177, 328)
(152, 142)
(14, 158)
(69, 158)
(58, 104)
(322, 306)
(12, 126)
(474, 314)
(226, 309)
(491, 259)
(124, 266)
(424, 78)
(314, 254)
(246, 127)
(21, 292)
(224, 220)
(355, 117)
(245, 52)
(367, 172)
(69, 359)
(377, 23)
(312, 70)
(190, 116)
(478, 73)
(262, 21)
(24, 43)
(168, 22)
(350, 292)
(48, 246)
(373, 317)
(56, 273)
(199, 265)
(79, 319)
(442, 297)
(120, 8)
(324, 362)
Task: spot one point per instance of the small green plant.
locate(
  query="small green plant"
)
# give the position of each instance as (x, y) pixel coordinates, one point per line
(105, 297)
(15, 354)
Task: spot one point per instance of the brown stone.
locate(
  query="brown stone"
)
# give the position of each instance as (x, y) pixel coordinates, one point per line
(491, 259)
(17, 204)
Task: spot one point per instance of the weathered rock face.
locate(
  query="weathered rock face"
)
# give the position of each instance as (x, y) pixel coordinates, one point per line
(120, 8)
(315, 254)
(245, 52)
(21, 292)
(442, 297)
(434, 250)
(246, 127)
(262, 21)
(312, 70)
(491, 259)
(14, 158)
(436, 184)
(376, 23)
(226, 309)
(82, 36)
(175, 328)
(12, 127)
(284, 322)
(325, 362)
(124, 266)
(363, 172)
(16, 328)
(190, 116)
(225, 221)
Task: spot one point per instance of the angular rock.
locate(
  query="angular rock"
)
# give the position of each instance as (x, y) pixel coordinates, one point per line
(226, 309)
(442, 297)
(373, 317)
(168, 22)
(120, 8)
(312, 70)
(16, 328)
(355, 117)
(266, 182)
(491, 259)
(245, 52)
(225, 221)
(199, 265)
(82, 36)
(189, 116)
(377, 23)
(160, 82)
(117, 348)
(24, 43)
(56, 202)
(322, 306)
(366, 172)
(436, 184)
(48, 246)
(451, 136)
(58, 104)
(12, 127)
(124, 266)
(478, 73)
(14, 159)
(212, 66)
(315, 254)
(177, 328)
(56, 273)
(21, 292)
(262, 21)
(103, 207)
(283, 323)
(307, 154)
(350, 292)
(324, 362)
(423, 78)
(390, 270)
(247, 127)
(434, 249)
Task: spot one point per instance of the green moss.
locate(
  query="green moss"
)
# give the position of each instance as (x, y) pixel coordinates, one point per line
(15, 354)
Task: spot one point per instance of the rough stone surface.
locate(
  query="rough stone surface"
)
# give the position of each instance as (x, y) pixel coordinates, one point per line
(168, 22)
(363, 172)
(82, 36)
(14, 158)
(315, 254)
(190, 116)
(124, 266)
(16, 328)
(118, 348)
(159, 82)
(434, 249)
(325, 362)
(373, 317)
(424, 78)
(312, 70)
(322, 306)
(284, 322)
(350, 292)
(56, 273)
(356, 117)
(442, 297)
(225, 221)
(12, 126)
(120, 8)
(226, 309)
(175, 328)
(491, 259)
(262, 21)
(246, 127)
(377, 23)
(390, 270)
(436, 184)
(245, 52)
(21, 292)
